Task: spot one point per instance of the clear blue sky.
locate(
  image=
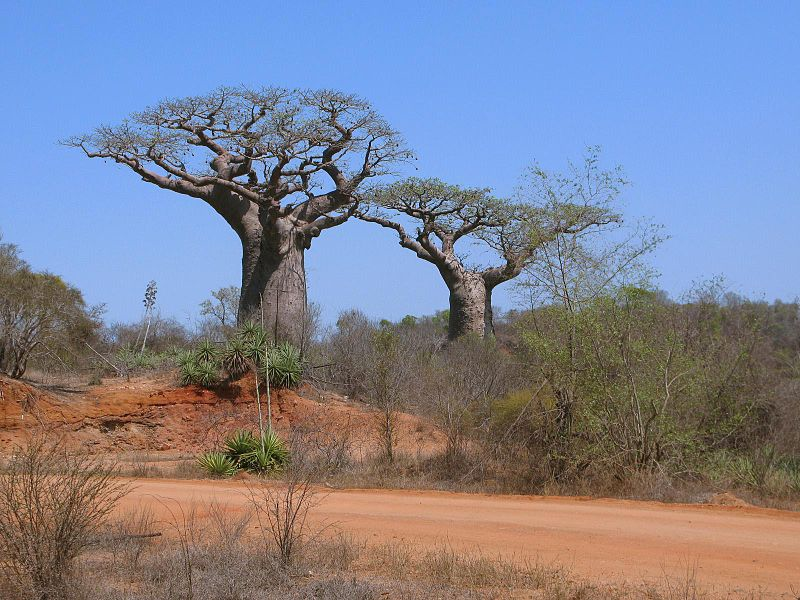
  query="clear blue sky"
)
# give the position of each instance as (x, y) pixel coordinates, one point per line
(700, 101)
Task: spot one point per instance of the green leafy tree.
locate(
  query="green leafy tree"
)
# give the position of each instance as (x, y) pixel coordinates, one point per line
(38, 311)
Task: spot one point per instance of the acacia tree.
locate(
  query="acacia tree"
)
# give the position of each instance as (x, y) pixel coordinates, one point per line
(37, 311)
(514, 230)
(279, 166)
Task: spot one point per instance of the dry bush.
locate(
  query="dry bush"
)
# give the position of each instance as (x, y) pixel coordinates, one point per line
(445, 565)
(228, 525)
(188, 530)
(322, 452)
(53, 503)
(228, 566)
(130, 536)
(282, 511)
(457, 388)
(340, 588)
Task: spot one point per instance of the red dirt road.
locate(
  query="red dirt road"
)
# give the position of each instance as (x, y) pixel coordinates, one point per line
(733, 549)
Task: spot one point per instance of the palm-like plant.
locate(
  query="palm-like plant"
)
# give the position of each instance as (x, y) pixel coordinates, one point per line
(248, 331)
(186, 357)
(207, 374)
(283, 367)
(269, 454)
(206, 351)
(240, 444)
(234, 358)
(189, 372)
(217, 464)
(257, 347)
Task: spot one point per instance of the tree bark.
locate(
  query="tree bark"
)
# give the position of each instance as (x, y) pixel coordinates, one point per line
(488, 313)
(274, 280)
(468, 298)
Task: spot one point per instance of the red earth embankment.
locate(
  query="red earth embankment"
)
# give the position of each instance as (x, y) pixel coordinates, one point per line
(155, 415)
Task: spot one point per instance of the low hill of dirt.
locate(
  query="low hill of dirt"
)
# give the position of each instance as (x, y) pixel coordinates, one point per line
(153, 414)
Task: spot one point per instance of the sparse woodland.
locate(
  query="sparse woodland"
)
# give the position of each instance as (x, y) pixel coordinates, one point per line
(596, 382)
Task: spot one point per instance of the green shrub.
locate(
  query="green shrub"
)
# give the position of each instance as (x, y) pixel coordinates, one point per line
(269, 455)
(234, 358)
(216, 464)
(753, 471)
(283, 367)
(131, 359)
(239, 444)
(196, 372)
(246, 451)
(206, 351)
(793, 480)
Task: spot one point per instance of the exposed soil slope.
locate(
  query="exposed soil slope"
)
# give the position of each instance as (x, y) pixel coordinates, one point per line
(733, 549)
(155, 415)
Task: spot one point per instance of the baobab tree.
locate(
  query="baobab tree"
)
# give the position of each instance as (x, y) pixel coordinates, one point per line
(280, 166)
(513, 231)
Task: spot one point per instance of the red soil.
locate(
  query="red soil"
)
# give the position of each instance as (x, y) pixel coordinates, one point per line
(155, 415)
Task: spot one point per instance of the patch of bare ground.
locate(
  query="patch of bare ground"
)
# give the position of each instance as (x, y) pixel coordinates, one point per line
(211, 551)
(616, 543)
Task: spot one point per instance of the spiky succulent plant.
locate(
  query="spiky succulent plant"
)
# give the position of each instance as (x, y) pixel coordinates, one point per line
(283, 367)
(217, 464)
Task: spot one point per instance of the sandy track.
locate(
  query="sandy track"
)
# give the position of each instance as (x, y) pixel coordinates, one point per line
(608, 540)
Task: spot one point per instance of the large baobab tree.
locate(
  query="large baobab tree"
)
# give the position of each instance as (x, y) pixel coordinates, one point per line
(513, 231)
(279, 166)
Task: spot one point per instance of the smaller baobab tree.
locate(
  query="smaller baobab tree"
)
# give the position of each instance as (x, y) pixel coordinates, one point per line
(512, 230)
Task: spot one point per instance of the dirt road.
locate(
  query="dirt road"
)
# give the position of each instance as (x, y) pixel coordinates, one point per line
(608, 540)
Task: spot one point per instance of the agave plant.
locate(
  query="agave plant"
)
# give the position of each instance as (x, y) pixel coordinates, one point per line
(189, 372)
(185, 358)
(240, 444)
(234, 358)
(206, 351)
(207, 374)
(283, 367)
(269, 454)
(217, 464)
(248, 331)
(257, 347)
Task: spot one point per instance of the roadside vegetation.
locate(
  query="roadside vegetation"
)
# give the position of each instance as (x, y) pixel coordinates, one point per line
(602, 385)
(76, 544)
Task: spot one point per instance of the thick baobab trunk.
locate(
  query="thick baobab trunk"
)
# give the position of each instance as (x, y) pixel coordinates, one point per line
(470, 306)
(274, 281)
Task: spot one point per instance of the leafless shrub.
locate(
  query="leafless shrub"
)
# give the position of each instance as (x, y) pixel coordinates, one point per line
(322, 452)
(187, 530)
(228, 525)
(52, 505)
(337, 553)
(340, 588)
(282, 511)
(142, 467)
(130, 535)
(458, 386)
(445, 565)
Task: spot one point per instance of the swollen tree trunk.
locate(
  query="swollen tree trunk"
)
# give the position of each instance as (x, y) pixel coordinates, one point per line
(470, 306)
(274, 280)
